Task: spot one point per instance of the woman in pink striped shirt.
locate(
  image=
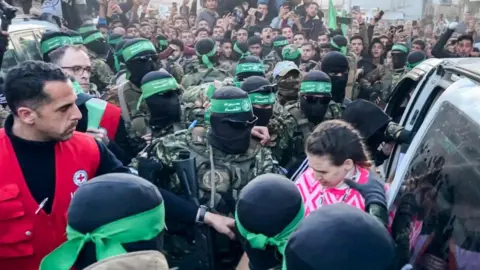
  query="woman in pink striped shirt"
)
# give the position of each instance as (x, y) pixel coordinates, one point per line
(335, 152)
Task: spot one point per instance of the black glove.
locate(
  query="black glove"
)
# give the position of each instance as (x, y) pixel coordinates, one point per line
(3, 42)
(373, 191)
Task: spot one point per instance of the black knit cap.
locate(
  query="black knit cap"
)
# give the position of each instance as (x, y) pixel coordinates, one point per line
(340, 237)
(416, 57)
(156, 75)
(254, 40)
(278, 38)
(76, 37)
(335, 62)
(204, 46)
(254, 82)
(239, 50)
(316, 76)
(253, 60)
(108, 198)
(340, 41)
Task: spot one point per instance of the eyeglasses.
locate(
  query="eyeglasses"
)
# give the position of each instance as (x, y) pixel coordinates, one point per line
(79, 70)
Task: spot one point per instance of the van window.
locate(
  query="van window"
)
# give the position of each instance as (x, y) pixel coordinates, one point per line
(9, 58)
(444, 178)
(30, 46)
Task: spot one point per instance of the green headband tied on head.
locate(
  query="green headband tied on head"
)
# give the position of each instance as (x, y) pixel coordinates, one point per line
(93, 37)
(77, 40)
(162, 42)
(132, 50)
(239, 51)
(230, 105)
(280, 43)
(88, 28)
(157, 86)
(108, 239)
(249, 67)
(262, 98)
(343, 49)
(398, 47)
(205, 57)
(290, 54)
(315, 87)
(261, 241)
(55, 43)
(413, 65)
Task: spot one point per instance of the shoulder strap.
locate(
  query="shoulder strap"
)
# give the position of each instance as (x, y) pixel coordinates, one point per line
(123, 103)
(210, 70)
(302, 122)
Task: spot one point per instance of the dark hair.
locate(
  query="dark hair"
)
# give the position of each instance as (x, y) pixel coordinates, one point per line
(309, 44)
(340, 141)
(465, 37)
(226, 40)
(178, 42)
(24, 84)
(286, 26)
(202, 30)
(356, 37)
(313, 3)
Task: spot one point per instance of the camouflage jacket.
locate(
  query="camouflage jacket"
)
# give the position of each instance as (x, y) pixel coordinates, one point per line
(309, 66)
(292, 129)
(369, 80)
(227, 65)
(127, 96)
(389, 81)
(352, 63)
(271, 60)
(102, 75)
(173, 68)
(232, 172)
(203, 75)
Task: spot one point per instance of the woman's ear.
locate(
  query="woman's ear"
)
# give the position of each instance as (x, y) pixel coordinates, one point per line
(348, 165)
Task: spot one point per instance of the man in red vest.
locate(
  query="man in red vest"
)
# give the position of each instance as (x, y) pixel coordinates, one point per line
(44, 160)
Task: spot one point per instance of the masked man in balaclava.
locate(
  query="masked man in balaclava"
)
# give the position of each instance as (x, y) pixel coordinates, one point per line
(124, 214)
(102, 75)
(287, 77)
(205, 71)
(164, 51)
(389, 80)
(121, 71)
(140, 58)
(339, 43)
(51, 41)
(315, 104)
(161, 93)
(265, 219)
(336, 66)
(227, 148)
(262, 96)
(275, 55)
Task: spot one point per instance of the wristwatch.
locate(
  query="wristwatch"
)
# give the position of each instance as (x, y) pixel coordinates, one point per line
(202, 211)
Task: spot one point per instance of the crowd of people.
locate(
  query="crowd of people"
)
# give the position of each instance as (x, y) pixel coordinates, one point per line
(278, 107)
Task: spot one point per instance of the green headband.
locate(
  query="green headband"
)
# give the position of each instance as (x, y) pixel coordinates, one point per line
(55, 43)
(316, 87)
(115, 41)
(205, 57)
(260, 241)
(77, 89)
(342, 49)
(77, 39)
(230, 105)
(262, 98)
(290, 55)
(280, 43)
(132, 50)
(157, 86)
(108, 239)
(239, 51)
(411, 66)
(162, 42)
(93, 37)
(85, 29)
(401, 48)
(249, 67)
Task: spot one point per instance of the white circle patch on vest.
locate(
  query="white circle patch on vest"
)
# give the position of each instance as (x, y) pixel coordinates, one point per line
(80, 177)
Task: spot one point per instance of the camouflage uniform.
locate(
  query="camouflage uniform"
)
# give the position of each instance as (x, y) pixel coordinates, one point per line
(309, 66)
(102, 75)
(3, 115)
(292, 129)
(199, 74)
(369, 80)
(227, 65)
(289, 85)
(271, 60)
(352, 64)
(389, 81)
(173, 68)
(93, 91)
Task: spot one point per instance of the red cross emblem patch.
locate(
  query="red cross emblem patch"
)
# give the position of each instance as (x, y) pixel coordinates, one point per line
(80, 177)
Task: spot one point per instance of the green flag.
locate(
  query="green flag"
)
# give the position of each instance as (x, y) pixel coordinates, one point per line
(344, 26)
(332, 15)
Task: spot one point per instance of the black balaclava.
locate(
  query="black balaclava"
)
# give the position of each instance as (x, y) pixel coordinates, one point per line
(140, 57)
(161, 93)
(263, 210)
(340, 237)
(231, 120)
(95, 42)
(75, 36)
(339, 43)
(108, 198)
(206, 51)
(261, 92)
(278, 43)
(162, 43)
(248, 66)
(399, 56)
(334, 63)
(415, 58)
(239, 51)
(315, 95)
(292, 53)
(369, 119)
(51, 41)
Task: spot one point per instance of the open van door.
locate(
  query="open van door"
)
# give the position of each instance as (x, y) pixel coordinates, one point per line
(441, 172)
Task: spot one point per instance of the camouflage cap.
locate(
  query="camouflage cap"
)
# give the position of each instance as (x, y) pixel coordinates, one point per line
(284, 67)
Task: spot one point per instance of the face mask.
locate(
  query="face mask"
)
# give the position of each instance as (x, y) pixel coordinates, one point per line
(339, 83)
(99, 47)
(263, 116)
(313, 109)
(139, 68)
(399, 60)
(164, 109)
(230, 137)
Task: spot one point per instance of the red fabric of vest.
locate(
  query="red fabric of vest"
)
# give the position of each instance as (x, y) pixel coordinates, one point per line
(111, 120)
(27, 233)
